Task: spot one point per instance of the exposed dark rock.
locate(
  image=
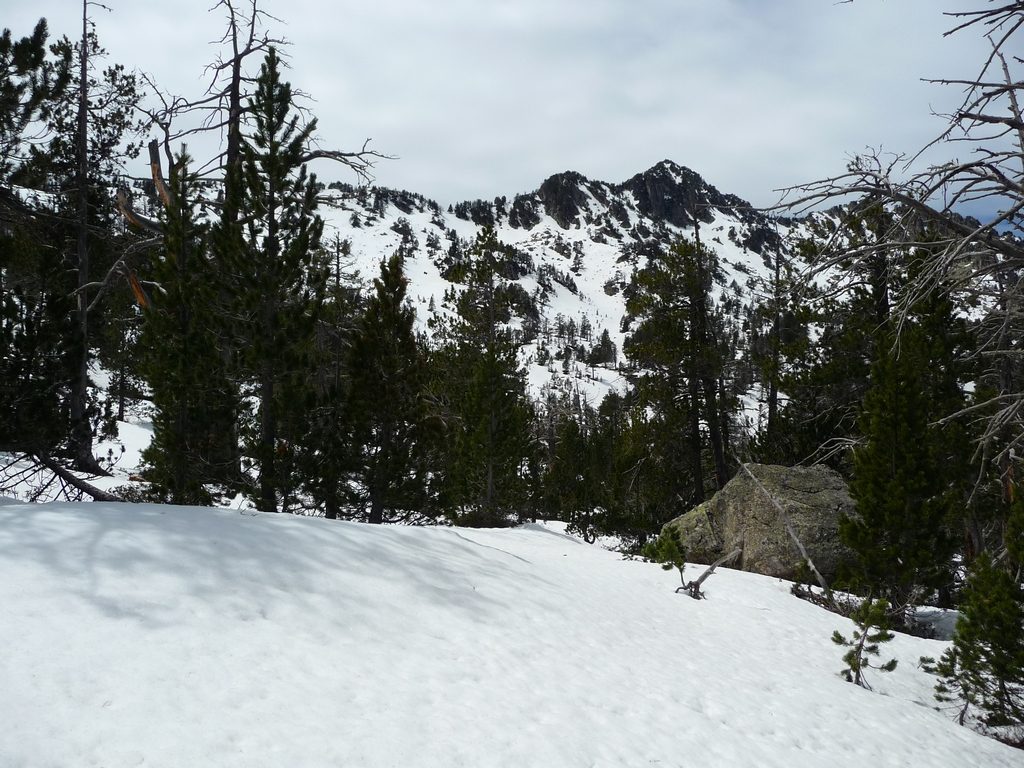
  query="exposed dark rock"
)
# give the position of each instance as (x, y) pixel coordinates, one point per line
(761, 237)
(674, 194)
(563, 197)
(523, 214)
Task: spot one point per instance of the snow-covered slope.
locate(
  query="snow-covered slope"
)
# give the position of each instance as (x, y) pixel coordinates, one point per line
(163, 636)
(581, 238)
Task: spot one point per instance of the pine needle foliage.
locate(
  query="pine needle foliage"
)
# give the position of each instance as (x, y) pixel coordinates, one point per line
(668, 550)
(193, 401)
(872, 620)
(984, 668)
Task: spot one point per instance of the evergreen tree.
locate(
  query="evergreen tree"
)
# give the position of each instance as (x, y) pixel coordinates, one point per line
(984, 668)
(387, 408)
(489, 413)
(572, 482)
(872, 620)
(31, 82)
(603, 352)
(36, 333)
(682, 364)
(612, 473)
(913, 474)
(668, 551)
(275, 260)
(328, 456)
(192, 398)
(826, 382)
(36, 354)
(900, 533)
(94, 130)
(778, 322)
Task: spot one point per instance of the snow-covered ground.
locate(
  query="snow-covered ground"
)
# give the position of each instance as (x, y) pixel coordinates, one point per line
(166, 636)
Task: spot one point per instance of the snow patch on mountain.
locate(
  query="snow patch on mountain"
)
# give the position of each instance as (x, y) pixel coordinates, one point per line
(582, 239)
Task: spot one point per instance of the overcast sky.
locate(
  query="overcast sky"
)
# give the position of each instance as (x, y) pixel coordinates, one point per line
(478, 98)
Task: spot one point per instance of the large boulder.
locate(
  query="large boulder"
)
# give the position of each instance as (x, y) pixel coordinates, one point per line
(742, 515)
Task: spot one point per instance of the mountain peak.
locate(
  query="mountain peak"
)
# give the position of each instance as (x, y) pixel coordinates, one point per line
(563, 196)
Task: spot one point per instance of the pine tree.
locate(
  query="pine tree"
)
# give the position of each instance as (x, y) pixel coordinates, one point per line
(36, 353)
(188, 381)
(913, 473)
(872, 620)
(668, 551)
(328, 456)
(572, 482)
(826, 382)
(31, 83)
(779, 341)
(900, 532)
(280, 280)
(489, 413)
(93, 127)
(387, 401)
(630, 475)
(677, 348)
(36, 332)
(984, 668)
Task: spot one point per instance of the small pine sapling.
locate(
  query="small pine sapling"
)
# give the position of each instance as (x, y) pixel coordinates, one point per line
(872, 621)
(667, 549)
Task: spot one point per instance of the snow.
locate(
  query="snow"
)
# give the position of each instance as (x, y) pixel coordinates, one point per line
(603, 240)
(169, 636)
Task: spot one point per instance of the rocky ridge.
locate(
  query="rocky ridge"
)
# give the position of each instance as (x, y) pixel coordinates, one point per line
(580, 242)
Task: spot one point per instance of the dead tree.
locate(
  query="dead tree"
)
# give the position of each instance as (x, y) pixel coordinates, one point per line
(222, 108)
(692, 588)
(983, 261)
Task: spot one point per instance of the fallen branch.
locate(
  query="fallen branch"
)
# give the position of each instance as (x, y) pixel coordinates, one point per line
(692, 588)
(73, 480)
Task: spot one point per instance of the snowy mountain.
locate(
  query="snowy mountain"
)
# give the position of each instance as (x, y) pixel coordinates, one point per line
(170, 636)
(580, 240)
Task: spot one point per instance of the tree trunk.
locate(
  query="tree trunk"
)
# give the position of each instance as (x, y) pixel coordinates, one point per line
(776, 354)
(81, 429)
(331, 507)
(714, 419)
(376, 504)
(120, 390)
(267, 440)
(695, 441)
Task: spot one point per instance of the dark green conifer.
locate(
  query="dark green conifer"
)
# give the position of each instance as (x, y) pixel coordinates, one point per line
(389, 439)
(872, 620)
(668, 551)
(489, 416)
(37, 335)
(677, 347)
(277, 279)
(192, 398)
(984, 668)
(900, 532)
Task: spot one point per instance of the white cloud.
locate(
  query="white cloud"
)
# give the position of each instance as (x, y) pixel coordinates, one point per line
(481, 99)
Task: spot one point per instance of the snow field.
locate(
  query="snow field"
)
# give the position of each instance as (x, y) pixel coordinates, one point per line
(169, 636)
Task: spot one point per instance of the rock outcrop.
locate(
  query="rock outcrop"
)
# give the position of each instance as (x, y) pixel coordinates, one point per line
(742, 515)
